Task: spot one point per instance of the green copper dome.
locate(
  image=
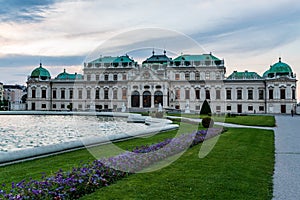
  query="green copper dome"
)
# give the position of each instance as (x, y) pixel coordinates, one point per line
(66, 76)
(243, 75)
(279, 69)
(40, 72)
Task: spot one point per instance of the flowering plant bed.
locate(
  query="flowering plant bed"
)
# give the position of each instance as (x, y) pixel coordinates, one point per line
(89, 177)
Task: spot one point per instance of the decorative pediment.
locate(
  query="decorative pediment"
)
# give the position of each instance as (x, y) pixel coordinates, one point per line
(147, 75)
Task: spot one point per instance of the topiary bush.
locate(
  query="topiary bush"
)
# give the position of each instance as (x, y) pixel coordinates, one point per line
(207, 122)
(205, 109)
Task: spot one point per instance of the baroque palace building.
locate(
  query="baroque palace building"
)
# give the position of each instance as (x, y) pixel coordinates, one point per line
(113, 83)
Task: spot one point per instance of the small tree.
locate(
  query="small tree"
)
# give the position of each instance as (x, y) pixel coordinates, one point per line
(205, 109)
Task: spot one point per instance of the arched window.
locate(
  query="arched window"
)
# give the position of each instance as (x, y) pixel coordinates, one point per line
(135, 99)
(146, 99)
(158, 98)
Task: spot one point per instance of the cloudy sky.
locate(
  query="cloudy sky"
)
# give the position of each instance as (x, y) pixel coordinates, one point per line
(249, 35)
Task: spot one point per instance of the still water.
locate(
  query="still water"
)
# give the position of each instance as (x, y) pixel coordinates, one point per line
(27, 131)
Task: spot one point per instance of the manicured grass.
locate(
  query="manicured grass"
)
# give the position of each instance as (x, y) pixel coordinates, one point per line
(239, 167)
(250, 120)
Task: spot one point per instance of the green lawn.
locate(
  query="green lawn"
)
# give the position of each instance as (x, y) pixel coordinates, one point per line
(250, 120)
(239, 167)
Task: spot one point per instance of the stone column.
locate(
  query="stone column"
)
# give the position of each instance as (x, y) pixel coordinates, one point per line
(141, 100)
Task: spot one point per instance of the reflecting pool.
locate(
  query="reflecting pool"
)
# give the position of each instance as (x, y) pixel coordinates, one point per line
(27, 131)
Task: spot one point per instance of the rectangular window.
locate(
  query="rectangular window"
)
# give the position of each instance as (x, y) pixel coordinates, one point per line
(228, 94)
(187, 76)
(239, 94)
(207, 76)
(54, 94)
(218, 108)
(261, 108)
(105, 106)
(124, 77)
(115, 94)
(97, 94)
(197, 94)
(218, 94)
(177, 94)
(207, 94)
(250, 94)
(62, 106)
(106, 77)
(33, 93)
(79, 106)
(71, 94)
(79, 94)
(197, 107)
(62, 94)
(44, 92)
(261, 94)
(106, 94)
(282, 93)
(54, 106)
(88, 94)
(228, 108)
(250, 108)
(124, 93)
(88, 77)
(197, 76)
(115, 77)
(187, 94)
(97, 77)
(177, 76)
(43, 105)
(293, 94)
(270, 93)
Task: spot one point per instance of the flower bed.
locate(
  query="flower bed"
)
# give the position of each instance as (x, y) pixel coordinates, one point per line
(89, 177)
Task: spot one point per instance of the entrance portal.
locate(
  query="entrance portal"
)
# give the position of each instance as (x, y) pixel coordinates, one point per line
(146, 99)
(239, 108)
(283, 108)
(158, 98)
(135, 99)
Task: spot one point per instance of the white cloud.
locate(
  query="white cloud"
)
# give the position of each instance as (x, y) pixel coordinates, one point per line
(247, 34)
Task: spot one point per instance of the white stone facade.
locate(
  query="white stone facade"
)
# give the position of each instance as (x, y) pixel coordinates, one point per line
(172, 84)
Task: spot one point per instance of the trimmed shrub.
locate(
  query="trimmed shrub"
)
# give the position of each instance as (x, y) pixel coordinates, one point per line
(205, 109)
(207, 122)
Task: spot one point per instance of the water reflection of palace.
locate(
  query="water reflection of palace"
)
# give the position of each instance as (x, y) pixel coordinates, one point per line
(187, 80)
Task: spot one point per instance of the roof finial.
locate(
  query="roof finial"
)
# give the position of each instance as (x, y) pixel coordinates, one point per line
(40, 64)
(64, 70)
(165, 52)
(279, 59)
(153, 52)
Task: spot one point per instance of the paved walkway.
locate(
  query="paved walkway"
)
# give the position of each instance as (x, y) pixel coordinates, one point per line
(286, 177)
